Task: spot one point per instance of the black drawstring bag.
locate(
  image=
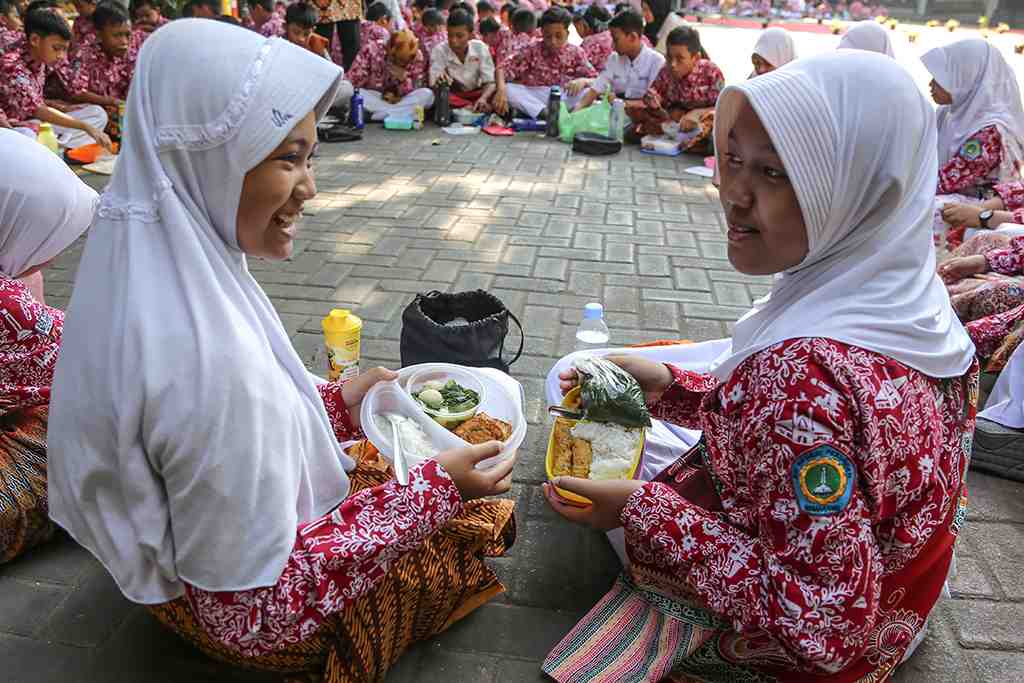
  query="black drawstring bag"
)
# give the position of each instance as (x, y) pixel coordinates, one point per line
(465, 328)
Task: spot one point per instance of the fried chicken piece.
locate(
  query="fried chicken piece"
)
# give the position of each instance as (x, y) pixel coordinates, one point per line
(562, 461)
(482, 428)
(582, 455)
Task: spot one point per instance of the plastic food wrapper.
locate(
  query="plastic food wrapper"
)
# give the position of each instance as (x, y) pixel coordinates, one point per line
(610, 394)
(593, 119)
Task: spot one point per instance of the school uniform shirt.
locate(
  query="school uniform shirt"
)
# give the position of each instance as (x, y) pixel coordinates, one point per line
(30, 334)
(340, 10)
(83, 32)
(835, 466)
(514, 44)
(1008, 260)
(103, 75)
(21, 85)
(274, 27)
(496, 42)
(370, 71)
(537, 66)
(598, 47)
(1012, 194)
(429, 41)
(699, 89)
(10, 39)
(630, 78)
(368, 31)
(474, 73)
(975, 164)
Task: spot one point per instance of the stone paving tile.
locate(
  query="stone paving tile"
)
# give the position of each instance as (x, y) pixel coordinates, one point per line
(547, 232)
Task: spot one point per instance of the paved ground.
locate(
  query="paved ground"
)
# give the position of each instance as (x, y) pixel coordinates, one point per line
(547, 232)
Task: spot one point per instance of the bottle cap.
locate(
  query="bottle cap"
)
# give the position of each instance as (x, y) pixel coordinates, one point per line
(593, 312)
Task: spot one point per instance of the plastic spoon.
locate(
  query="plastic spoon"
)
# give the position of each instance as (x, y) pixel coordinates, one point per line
(401, 468)
(559, 411)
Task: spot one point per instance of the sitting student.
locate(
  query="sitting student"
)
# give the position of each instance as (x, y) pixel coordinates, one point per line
(265, 19)
(661, 21)
(433, 32)
(416, 10)
(147, 15)
(44, 208)
(868, 35)
(1007, 206)
(973, 291)
(802, 488)
(685, 91)
(464, 64)
(146, 472)
(83, 31)
(23, 74)
(495, 36)
(392, 77)
(526, 78)
(524, 30)
(774, 48)
(592, 26)
(632, 68)
(300, 21)
(981, 122)
(506, 12)
(12, 32)
(470, 9)
(377, 25)
(205, 9)
(105, 66)
(484, 11)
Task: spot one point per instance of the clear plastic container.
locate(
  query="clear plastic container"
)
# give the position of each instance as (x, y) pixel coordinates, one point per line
(389, 397)
(592, 332)
(443, 374)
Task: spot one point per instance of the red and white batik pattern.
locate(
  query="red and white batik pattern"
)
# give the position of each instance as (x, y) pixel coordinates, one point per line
(974, 164)
(30, 334)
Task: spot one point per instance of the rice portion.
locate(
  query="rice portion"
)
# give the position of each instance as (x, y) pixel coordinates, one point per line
(613, 446)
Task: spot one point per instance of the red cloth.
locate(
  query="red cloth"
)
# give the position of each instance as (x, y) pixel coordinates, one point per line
(973, 165)
(30, 335)
(464, 99)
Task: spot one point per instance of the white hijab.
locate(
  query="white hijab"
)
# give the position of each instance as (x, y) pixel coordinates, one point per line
(868, 35)
(865, 180)
(44, 206)
(776, 47)
(186, 439)
(985, 93)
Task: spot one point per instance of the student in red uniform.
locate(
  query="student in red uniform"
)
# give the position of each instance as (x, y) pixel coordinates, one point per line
(147, 15)
(12, 32)
(377, 25)
(525, 79)
(592, 25)
(265, 18)
(392, 77)
(23, 74)
(809, 534)
(432, 32)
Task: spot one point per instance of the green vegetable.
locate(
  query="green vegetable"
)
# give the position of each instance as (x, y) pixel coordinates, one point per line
(610, 394)
(454, 398)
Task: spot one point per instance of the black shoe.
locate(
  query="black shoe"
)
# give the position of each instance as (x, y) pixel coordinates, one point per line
(339, 133)
(998, 450)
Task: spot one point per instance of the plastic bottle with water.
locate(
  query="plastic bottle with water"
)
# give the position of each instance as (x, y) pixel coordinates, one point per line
(592, 332)
(617, 120)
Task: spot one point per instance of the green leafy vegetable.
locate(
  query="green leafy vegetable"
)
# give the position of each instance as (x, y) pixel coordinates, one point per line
(610, 394)
(455, 398)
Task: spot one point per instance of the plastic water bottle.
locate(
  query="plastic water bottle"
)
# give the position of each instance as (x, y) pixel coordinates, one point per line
(592, 332)
(47, 138)
(355, 110)
(617, 120)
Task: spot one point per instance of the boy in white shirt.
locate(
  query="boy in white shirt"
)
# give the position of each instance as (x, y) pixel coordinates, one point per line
(631, 69)
(464, 64)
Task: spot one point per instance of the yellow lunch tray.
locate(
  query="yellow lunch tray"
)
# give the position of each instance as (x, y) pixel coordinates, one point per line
(571, 400)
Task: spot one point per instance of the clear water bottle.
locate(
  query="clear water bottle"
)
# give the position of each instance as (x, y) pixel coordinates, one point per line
(617, 120)
(592, 332)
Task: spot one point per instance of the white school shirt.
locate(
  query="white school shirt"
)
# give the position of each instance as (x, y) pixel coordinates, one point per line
(476, 72)
(630, 78)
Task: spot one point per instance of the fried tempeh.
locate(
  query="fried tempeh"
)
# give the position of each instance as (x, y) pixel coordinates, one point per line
(562, 462)
(483, 428)
(582, 455)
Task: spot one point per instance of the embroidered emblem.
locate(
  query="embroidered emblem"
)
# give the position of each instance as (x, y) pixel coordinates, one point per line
(279, 118)
(971, 150)
(44, 323)
(823, 479)
(959, 516)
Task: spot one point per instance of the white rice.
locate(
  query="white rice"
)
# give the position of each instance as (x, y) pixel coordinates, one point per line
(415, 441)
(613, 446)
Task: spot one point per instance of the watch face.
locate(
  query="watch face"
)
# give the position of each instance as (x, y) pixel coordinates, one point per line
(986, 214)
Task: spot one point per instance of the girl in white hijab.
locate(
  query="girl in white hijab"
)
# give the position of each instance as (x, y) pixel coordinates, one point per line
(44, 208)
(870, 36)
(980, 117)
(193, 454)
(774, 49)
(809, 533)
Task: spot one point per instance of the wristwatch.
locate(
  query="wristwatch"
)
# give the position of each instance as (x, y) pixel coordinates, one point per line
(984, 217)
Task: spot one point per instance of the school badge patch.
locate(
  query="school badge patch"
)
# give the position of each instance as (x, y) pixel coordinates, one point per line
(823, 479)
(971, 149)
